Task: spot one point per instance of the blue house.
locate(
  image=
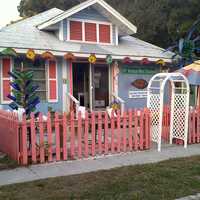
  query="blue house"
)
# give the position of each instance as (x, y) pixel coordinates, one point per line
(96, 58)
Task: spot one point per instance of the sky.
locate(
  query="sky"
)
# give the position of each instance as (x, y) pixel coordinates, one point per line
(8, 11)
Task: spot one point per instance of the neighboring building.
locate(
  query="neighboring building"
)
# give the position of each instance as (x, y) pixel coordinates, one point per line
(92, 27)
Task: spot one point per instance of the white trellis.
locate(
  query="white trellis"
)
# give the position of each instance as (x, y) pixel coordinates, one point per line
(179, 106)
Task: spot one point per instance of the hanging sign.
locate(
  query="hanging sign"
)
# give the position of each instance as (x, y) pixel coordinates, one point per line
(69, 56)
(137, 94)
(92, 59)
(140, 84)
(109, 59)
(48, 56)
(31, 54)
(127, 60)
(145, 61)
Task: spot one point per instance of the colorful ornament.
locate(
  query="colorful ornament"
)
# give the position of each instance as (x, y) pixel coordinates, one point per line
(115, 105)
(127, 60)
(160, 62)
(92, 59)
(109, 59)
(145, 61)
(48, 56)
(31, 54)
(140, 84)
(9, 52)
(69, 56)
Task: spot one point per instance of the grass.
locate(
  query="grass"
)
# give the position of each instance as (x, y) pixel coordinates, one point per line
(7, 163)
(165, 180)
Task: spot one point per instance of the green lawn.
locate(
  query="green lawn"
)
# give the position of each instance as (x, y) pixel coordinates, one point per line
(165, 180)
(7, 163)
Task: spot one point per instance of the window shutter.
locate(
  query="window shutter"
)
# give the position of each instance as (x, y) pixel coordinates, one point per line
(52, 82)
(90, 32)
(104, 33)
(6, 67)
(75, 30)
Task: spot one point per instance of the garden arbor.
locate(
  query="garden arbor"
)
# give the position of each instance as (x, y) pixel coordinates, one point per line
(157, 91)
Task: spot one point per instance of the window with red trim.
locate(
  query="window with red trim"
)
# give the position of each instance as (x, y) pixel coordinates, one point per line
(104, 33)
(6, 67)
(76, 30)
(90, 32)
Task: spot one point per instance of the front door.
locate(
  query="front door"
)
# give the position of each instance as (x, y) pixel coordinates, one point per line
(100, 86)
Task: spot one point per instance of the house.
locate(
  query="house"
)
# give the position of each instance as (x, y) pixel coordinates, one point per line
(96, 60)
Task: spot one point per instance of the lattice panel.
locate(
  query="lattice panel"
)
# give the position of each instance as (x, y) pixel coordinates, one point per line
(179, 116)
(154, 106)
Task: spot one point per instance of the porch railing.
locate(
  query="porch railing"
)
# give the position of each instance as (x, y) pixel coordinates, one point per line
(121, 101)
(74, 100)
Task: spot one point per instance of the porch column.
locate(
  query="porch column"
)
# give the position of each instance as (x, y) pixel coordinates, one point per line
(70, 77)
(91, 87)
(65, 89)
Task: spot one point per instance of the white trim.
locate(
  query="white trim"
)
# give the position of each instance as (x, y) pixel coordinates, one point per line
(2, 78)
(68, 32)
(52, 79)
(61, 31)
(83, 21)
(76, 9)
(116, 35)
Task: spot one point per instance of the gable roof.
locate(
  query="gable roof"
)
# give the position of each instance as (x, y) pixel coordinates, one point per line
(101, 6)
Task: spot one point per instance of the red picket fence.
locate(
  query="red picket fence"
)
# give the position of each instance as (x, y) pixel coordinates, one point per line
(9, 135)
(62, 137)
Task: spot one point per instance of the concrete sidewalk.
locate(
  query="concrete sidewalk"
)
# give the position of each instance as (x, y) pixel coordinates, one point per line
(66, 168)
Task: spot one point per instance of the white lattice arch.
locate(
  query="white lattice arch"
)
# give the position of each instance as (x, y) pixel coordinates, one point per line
(179, 106)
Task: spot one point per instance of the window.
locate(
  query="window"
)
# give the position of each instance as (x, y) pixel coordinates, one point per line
(90, 32)
(39, 76)
(104, 33)
(75, 30)
(6, 66)
(87, 31)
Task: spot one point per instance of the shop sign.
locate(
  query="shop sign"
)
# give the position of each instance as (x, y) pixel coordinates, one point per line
(137, 94)
(129, 70)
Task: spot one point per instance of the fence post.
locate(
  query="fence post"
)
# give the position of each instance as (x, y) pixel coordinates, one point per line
(93, 134)
(72, 136)
(119, 131)
(124, 131)
(135, 131)
(112, 132)
(198, 124)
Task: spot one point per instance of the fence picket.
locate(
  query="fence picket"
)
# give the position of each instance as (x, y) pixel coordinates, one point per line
(33, 138)
(130, 129)
(194, 127)
(100, 132)
(198, 126)
(79, 135)
(65, 136)
(72, 136)
(86, 134)
(24, 141)
(118, 131)
(112, 132)
(106, 133)
(141, 118)
(124, 131)
(57, 131)
(93, 134)
(49, 132)
(41, 144)
(135, 131)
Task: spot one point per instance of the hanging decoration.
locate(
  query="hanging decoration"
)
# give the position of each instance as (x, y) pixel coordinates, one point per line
(9, 52)
(31, 55)
(69, 56)
(48, 56)
(140, 84)
(145, 61)
(109, 59)
(160, 62)
(23, 91)
(92, 59)
(127, 60)
(115, 105)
